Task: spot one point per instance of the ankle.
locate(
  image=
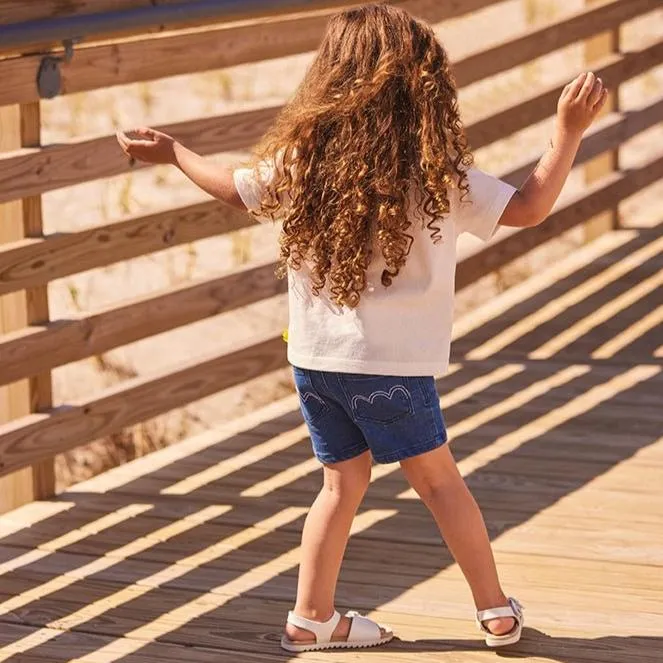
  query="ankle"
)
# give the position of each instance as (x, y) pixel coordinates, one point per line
(486, 602)
(315, 615)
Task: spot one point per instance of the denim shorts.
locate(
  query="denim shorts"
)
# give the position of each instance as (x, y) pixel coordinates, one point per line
(348, 413)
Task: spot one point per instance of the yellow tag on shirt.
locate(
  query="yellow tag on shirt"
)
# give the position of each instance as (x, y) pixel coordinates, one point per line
(285, 335)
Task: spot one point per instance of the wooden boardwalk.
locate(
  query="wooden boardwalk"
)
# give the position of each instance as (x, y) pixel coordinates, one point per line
(555, 407)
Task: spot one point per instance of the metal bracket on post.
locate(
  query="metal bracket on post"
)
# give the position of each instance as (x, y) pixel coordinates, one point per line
(49, 76)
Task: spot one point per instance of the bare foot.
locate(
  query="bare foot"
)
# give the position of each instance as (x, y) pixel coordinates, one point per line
(500, 626)
(301, 636)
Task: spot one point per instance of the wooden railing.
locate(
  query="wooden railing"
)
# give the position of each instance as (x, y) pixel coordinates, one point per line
(32, 344)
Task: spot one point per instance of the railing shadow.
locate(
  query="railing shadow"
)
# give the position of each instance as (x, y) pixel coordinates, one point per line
(183, 571)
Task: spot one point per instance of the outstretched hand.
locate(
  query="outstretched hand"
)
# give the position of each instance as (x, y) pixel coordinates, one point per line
(581, 102)
(148, 145)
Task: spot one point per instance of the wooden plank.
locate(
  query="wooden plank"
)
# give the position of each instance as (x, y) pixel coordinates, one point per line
(148, 59)
(30, 172)
(31, 262)
(603, 195)
(597, 48)
(21, 126)
(12, 12)
(543, 39)
(91, 159)
(540, 104)
(429, 10)
(17, 11)
(233, 629)
(15, 399)
(36, 437)
(61, 342)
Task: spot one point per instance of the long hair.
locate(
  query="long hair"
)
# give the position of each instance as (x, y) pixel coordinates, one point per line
(375, 120)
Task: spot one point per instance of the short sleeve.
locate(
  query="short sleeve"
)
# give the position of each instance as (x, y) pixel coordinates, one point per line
(251, 186)
(482, 209)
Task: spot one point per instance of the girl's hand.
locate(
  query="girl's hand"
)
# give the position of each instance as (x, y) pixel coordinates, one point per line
(580, 103)
(148, 145)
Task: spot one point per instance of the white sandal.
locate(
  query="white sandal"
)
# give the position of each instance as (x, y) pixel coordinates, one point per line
(513, 610)
(364, 632)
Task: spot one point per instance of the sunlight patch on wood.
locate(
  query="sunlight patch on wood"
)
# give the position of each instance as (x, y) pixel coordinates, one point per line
(212, 600)
(74, 536)
(557, 417)
(629, 335)
(565, 300)
(111, 558)
(230, 465)
(598, 317)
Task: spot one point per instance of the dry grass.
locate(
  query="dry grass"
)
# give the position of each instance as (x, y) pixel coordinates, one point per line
(227, 91)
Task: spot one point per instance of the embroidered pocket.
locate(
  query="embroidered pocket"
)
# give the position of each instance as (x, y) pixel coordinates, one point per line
(313, 406)
(380, 401)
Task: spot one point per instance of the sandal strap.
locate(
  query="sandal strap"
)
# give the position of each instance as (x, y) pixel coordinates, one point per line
(513, 610)
(323, 631)
(362, 629)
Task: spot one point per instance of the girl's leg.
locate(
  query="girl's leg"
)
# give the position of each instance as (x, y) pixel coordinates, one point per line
(436, 479)
(324, 540)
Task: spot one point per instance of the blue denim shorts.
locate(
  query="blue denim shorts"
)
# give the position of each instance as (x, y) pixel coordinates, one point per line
(348, 413)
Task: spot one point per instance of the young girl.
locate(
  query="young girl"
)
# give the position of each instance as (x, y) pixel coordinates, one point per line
(369, 173)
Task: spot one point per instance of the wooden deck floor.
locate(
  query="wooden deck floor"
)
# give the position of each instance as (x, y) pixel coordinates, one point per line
(555, 406)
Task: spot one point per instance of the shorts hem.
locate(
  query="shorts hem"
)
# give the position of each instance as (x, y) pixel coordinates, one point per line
(410, 452)
(349, 455)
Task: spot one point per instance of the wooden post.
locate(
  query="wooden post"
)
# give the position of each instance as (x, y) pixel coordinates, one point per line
(20, 127)
(596, 49)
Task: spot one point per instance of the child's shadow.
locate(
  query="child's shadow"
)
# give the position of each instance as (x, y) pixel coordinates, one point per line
(560, 649)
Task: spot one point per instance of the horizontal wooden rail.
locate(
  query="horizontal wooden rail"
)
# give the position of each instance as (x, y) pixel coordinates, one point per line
(33, 171)
(430, 10)
(148, 59)
(604, 195)
(36, 437)
(93, 26)
(58, 166)
(542, 40)
(32, 262)
(540, 104)
(26, 352)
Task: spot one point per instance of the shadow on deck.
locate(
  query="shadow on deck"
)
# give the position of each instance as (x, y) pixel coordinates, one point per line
(554, 409)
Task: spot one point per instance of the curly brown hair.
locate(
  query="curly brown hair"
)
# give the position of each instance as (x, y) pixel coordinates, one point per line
(375, 119)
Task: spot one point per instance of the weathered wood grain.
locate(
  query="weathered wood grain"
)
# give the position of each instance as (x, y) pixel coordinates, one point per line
(598, 47)
(21, 126)
(36, 261)
(429, 10)
(36, 349)
(558, 33)
(40, 436)
(147, 59)
(56, 166)
(30, 172)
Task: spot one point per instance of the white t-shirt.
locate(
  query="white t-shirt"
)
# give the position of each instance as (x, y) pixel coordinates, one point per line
(402, 330)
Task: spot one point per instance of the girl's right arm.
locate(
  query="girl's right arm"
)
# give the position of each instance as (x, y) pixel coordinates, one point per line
(579, 105)
(155, 147)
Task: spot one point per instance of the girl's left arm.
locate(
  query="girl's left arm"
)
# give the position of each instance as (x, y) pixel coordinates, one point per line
(155, 147)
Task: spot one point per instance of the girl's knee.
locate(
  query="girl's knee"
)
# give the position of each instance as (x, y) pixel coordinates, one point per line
(434, 476)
